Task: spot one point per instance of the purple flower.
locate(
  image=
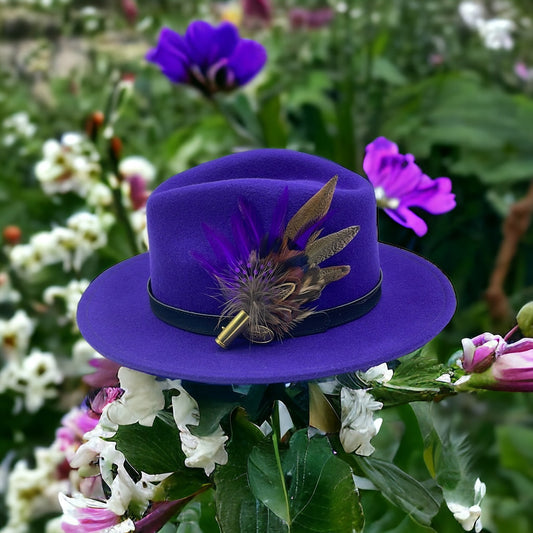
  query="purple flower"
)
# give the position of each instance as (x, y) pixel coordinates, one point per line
(400, 184)
(209, 58)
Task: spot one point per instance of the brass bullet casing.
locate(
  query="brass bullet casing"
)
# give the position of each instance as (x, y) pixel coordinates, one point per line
(232, 330)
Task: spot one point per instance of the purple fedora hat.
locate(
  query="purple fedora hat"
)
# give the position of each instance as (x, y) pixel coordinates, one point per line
(266, 247)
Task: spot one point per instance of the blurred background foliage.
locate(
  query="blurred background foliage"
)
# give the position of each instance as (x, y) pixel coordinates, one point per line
(411, 70)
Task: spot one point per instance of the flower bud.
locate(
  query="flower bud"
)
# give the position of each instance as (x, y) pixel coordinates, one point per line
(525, 319)
(480, 352)
(11, 234)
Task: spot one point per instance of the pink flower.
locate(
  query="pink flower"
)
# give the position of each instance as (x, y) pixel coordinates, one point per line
(494, 364)
(513, 367)
(523, 72)
(310, 18)
(74, 425)
(90, 516)
(106, 374)
(400, 184)
(258, 10)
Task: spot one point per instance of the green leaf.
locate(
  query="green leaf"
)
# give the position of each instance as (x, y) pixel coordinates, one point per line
(181, 485)
(214, 403)
(383, 69)
(237, 507)
(515, 445)
(400, 488)
(321, 492)
(154, 450)
(446, 455)
(270, 115)
(199, 515)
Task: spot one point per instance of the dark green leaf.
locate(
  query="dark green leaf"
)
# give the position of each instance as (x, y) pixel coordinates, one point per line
(322, 494)
(237, 508)
(400, 488)
(267, 481)
(198, 516)
(181, 485)
(314, 490)
(154, 450)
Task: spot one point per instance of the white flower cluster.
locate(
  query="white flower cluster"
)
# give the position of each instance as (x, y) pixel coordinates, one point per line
(496, 32)
(70, 295)
(17, 127)
(34, 376)
(142, 400)
(201, 452)
(357, 421)
(32, 492)
(70, 245)
(69, 165)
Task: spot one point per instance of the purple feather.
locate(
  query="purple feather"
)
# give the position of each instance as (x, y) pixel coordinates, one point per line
(223, 249)
(277, 227)
(241, 237)
(252, 224)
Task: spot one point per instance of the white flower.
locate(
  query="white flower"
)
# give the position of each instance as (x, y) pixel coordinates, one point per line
(201, 452)
(380, 374)
(99, 195)
(15, 334)
(35, 377)
(470, 517)
(7, 293)
(137, 166)
(357, 423)
(472, 14)
(204, 452)
(138, 223)
(496, 33)
(32, 492)
(70, 294)
(142, 400)
(18, 127)
(71, 165)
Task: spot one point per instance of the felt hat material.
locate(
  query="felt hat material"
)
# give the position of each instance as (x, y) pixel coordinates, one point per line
(115, 316)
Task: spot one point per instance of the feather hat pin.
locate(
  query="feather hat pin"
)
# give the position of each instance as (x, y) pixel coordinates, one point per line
(267, 279)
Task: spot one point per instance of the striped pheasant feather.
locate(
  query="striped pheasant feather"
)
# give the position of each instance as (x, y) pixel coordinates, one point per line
(273, 276)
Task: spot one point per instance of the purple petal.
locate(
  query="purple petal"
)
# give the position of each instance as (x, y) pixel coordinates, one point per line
(247, 60)
(375, 151)
(408, 219)
(434, 196)
(199, 38)
(225, 40)
(170, 55)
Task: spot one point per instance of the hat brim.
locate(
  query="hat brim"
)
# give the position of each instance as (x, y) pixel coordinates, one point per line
(114, 316)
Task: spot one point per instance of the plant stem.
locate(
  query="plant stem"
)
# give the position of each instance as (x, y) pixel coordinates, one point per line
(275, 441)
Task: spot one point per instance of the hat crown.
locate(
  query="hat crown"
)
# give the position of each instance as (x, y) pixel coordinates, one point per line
(208, 195)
